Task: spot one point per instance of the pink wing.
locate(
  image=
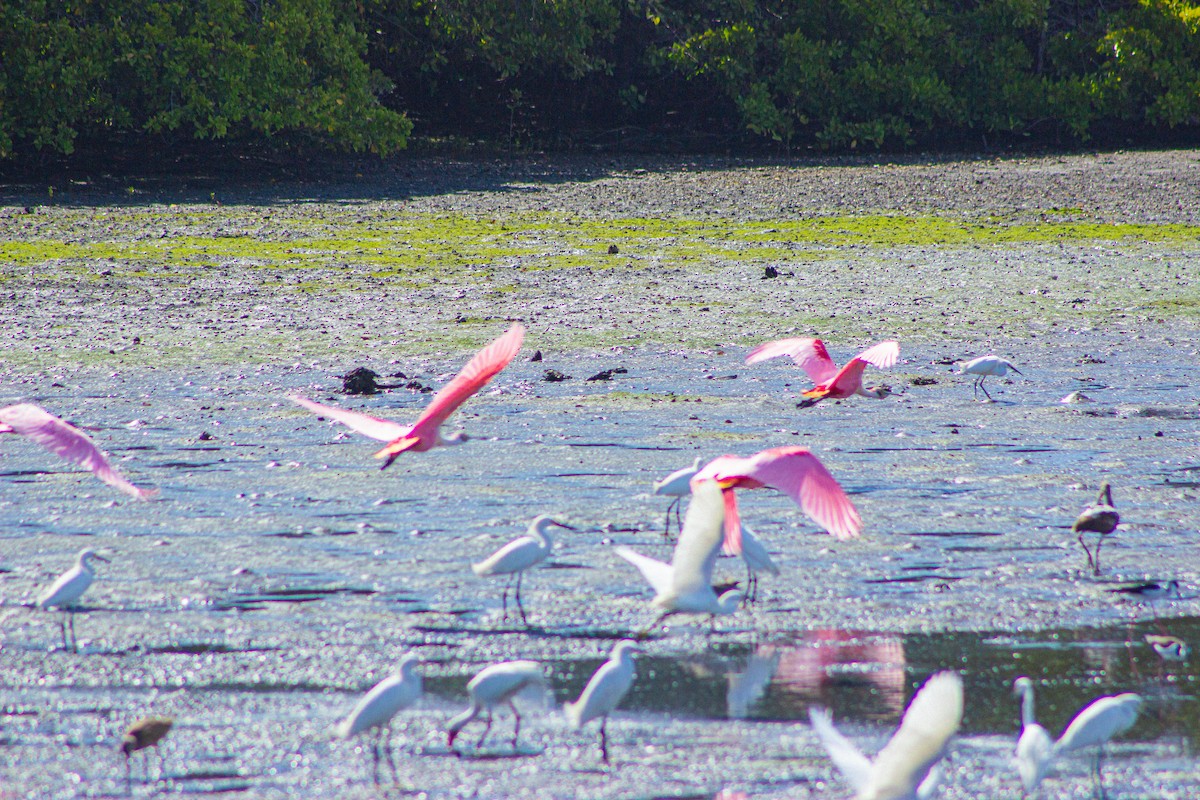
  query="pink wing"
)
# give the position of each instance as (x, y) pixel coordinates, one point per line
(470, 379)
(382, 429)
(809, 354)
(68, 442)
(801, 476)
(849, 377)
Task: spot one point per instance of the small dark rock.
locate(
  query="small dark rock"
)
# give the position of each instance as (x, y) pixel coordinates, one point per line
(1089, 360)
(360, 380)
(537, 356)
(205, 437)
(1158, 434)
(604, 375)
(770, 272)
(946, 362)
(612, 250)
(554, 376)
(922, 380)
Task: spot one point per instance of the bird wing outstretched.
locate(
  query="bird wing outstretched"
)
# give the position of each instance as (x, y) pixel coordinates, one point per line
(809, 354)
(699, 542)
(382, 429)
(482, 367)
(657, 573)
(882, 355)
(799, 474)
(68, 442)
(849, 760)
(932, 717)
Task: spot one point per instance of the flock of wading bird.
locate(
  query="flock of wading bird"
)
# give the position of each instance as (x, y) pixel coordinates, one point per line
(906, 767)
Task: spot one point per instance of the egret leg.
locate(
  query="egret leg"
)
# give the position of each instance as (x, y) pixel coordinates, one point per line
(516, 724)
(1099, 774)
(678, 521)
(487, 727)
(751, 585)
(391, 756)
(504, 598)
(128, 775)
(1099, 542)
(1091, 562)
(63, 625)
(603, 739)
(520, 607)
(667, 527)
(71, 627)
(984, 389)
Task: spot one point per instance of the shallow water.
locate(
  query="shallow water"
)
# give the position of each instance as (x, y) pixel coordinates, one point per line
(279, 573)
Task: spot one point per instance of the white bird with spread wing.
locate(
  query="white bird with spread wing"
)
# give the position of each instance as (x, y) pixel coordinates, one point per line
(685, 585)
(905, 769)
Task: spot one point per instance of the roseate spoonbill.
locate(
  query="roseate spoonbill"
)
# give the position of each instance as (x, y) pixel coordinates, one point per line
(66, 441)
(796, 472)
(685, 585)
(1100, 518)
(1035, 748)
(497, 685)
(145, 733)
(64, 593)
(1095, 725)
(1169, 648)
(831, 383)
(423, 434)
(377, 707)
(984, 367)
(676, 485)
(757, 559)
(604, 691)
(519, 555)
(906, 767)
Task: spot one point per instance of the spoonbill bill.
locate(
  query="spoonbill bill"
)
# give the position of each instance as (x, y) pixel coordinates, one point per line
(831, 383)
(676, 485)
(906, 767)
(68, 442)
(1100, 518)
(1035, 748)
(984, 367)
(604, 692)
(519, 555)
(423, 434)
(685, 585)
(65, 592)
(377, 707)
(497, 685)
(147, 732)
(796, 472)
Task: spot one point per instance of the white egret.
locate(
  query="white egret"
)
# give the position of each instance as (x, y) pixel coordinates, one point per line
(519, 555)
(377, 707)
(685, 585)
(985, 367)
(497, 685)
(905, 769)
(604, 691)
(1035, 748)
(1100, 518)
(65, 592)
(757, 559)
(1103, 719)
(676, 485)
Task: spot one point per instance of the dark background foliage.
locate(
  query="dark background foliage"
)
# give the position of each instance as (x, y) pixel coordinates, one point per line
(589, 74)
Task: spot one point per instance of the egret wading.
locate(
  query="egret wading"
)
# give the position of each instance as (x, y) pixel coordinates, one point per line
(65, 592)
(497, 685)
(519, 555)
(377, 707)
(604, 692)
(424, 434)
(676, 485)
(985, 367)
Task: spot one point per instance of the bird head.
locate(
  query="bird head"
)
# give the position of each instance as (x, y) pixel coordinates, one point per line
(88, 554)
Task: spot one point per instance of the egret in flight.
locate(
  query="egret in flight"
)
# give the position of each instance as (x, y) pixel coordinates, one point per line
(519, 555)
(906, 767)
(423, 434)
(68, 442)
(831, 382)
(796, 472)
(65, 592)
(685, 585)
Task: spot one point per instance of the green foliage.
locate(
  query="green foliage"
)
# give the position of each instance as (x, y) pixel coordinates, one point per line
(208, 68)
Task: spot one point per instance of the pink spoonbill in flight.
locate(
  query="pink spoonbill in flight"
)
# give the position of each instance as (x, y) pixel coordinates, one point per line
(796, 472)
(423, 434)
(831, 382)
(67, 441)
